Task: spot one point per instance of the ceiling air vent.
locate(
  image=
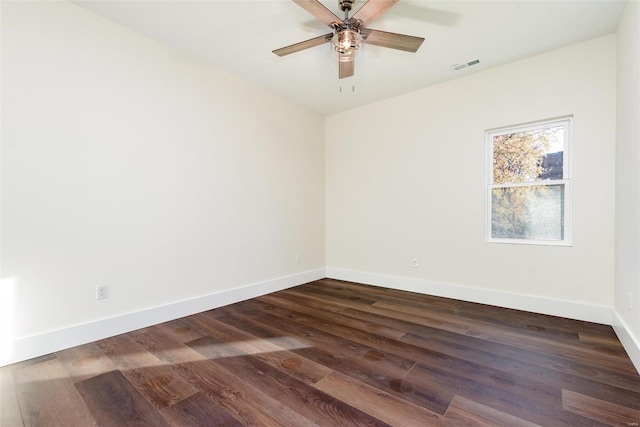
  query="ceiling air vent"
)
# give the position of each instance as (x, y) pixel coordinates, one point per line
(458, 67)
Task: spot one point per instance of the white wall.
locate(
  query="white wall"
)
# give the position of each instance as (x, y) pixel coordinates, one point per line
(125, 163)
(406, 178)
(627, 248)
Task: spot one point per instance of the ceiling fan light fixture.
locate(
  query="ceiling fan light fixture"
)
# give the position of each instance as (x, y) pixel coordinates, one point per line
(348, 34)
(346, 41)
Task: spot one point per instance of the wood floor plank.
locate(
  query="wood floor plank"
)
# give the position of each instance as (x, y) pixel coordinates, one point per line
(47, 396)
(225, 390)
(599, 410)
(9, 408)
(425, 335)
(155, 381)
(360, 362)
(383, 344)
(458, 327)
(470, 413)
(594, 355)
(474, 311)
(142, 331)
(530, 389)
(84, 362)
(318, 290)
(333, 326)
(318, 298)
(168, 348)
(199, 411)
(393, 322)
(348, 292)
(126, 354)
(115, 402)
(600, 339)
(510, 382)
(365, 312)
(266, 350)
(308, 401)
(464, 323)
(521, 323)
(381, 296)
(248, 405)
(382, 405)
(182, 331)
(539, 411)
(271, 324)
(423, 394)
(300, 298)
(335, 317)
(214, 349)
(522, 364)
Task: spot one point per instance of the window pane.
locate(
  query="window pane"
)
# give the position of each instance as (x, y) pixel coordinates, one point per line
(528, 156)
(531, 213)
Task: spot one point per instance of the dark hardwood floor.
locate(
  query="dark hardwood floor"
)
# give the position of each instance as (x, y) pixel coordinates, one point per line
(334, 353)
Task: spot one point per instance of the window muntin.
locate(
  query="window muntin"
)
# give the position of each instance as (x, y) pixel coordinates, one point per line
(528, 191)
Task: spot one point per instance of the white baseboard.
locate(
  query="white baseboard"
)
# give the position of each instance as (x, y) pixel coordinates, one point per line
(532, 303)
(38, 345)
(630, 342)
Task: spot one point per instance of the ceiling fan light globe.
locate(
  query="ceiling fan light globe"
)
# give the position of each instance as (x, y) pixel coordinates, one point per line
(346, 41)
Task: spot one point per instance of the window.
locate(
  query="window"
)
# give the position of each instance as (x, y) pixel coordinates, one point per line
(529, 187)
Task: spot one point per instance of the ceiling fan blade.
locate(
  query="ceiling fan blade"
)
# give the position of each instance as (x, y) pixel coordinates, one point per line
(318, 10)
(372, 10)
(297, 47)
(392, 40)
(346, 65)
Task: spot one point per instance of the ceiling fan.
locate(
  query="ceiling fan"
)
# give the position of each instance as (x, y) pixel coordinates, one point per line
(350, 33)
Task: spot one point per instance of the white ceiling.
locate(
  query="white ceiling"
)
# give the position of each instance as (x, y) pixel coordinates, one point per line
(238, 36)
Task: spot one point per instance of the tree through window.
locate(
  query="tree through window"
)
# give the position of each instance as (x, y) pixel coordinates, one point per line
(528, 189)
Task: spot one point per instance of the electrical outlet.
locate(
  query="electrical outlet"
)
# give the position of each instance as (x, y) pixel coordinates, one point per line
(630, 300)
(298, 258)
(415, 263)
(102, 292)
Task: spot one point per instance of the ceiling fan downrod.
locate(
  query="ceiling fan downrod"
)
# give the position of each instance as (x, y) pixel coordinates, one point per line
(345, 6)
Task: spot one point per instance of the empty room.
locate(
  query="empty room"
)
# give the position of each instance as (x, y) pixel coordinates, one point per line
(331, 213)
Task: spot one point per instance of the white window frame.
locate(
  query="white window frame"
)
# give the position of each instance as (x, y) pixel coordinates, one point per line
(567, 122)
